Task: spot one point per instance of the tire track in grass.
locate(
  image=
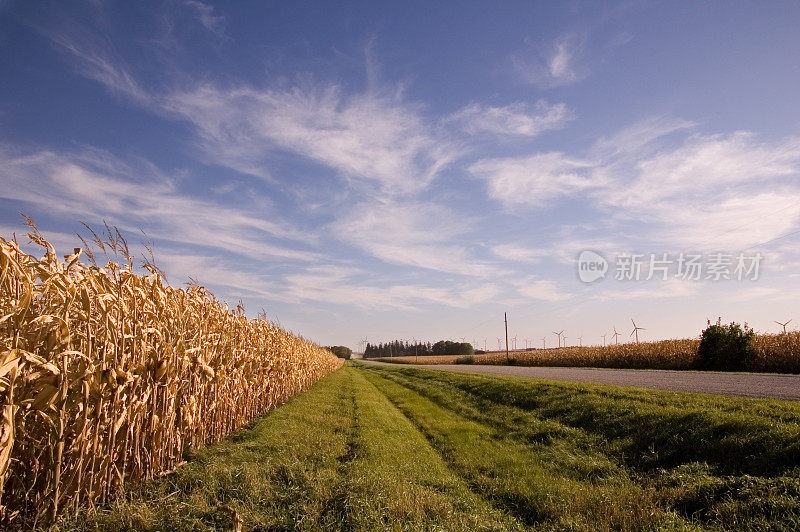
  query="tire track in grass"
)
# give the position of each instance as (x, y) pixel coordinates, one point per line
(336, 508)
(569, 451)
(515, 479)
(398, 480)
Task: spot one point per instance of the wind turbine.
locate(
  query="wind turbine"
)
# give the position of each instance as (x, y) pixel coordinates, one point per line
(559, 336)
(514, 341)
(544, 343)
(580, 341)
(499, 344)
(604, 339)
(783, 325)
(616, 335)
(527, 341)
(636, 330)
(484, 345)
(565, 340)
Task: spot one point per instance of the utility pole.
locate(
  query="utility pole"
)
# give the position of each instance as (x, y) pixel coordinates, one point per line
(505, 316)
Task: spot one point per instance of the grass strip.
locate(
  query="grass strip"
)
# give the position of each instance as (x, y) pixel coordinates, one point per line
(649, 429)
(527, 480)
(398, 481)
(700, 453)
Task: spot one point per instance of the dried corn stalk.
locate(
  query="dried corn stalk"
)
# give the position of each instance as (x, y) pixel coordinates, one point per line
(107, 377)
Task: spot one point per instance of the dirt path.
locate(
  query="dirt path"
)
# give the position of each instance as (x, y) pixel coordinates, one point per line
(743, 384)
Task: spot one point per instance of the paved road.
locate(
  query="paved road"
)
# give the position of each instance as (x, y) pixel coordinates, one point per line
(744, 384)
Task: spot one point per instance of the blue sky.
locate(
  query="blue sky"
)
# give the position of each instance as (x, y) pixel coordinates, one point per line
(415, 169)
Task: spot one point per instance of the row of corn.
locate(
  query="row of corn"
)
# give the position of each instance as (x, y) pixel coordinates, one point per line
(778, 353)
(107, 377)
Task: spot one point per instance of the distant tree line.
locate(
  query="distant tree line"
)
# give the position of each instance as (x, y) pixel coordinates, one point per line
(399, 348)
(340, 351)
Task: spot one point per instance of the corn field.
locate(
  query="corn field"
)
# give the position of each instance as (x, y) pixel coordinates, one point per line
(107, 377)
(776, 353)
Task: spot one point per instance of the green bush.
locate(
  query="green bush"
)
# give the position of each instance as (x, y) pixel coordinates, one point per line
(726, 347)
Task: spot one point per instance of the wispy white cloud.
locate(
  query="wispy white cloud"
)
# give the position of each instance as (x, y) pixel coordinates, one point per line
(94, 185)
(534, 180)
(425, 235)
(564, 247)
(541, 289)
(714, 162)
(671, 288)
(638, 140)
(759, 293)
(553, 65)
(96, 58)
(519, 118)
(338, 287)
(205, 13)
(729, 191)
(374, 137)
(371, 137)
(218, 272)
(559, 65)
(519, 253)
(323, 283)
(727, 223)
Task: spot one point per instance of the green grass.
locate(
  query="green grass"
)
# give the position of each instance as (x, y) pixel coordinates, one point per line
(377, 448)
(665, 459)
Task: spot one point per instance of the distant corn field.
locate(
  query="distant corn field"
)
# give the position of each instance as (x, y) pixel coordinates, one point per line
(107, 377)
(778, 353)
